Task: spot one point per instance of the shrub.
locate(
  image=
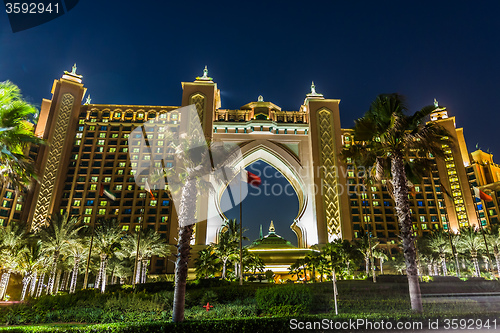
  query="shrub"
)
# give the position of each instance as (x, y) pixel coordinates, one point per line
(268, 298)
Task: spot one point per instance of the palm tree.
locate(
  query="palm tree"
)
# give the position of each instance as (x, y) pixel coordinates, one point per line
(57, 236)
(12, 242)
(384, 137)
(470, 241)
(31, 261)
(207, 263)
(439, 243)
(366, 245)
(16, 134)
(494, 240)
(381, 256)
(107, 238)
(78, 249)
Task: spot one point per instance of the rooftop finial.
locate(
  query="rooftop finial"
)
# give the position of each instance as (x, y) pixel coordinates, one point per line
(271, 227)
(313, 93)
(205, 72)
(261, 235)
(436, 104)
(205, 76)
(313, 88)
(73, 70)
(88, 100)
(260, 99)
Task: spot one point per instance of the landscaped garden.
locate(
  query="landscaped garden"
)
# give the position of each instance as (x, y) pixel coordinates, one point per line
(257, 307)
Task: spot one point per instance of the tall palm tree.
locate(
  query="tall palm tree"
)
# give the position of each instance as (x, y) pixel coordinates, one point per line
(439, 243)
(16, 134)
(381, 255)
(494, 241)
(31, 261)
(107, 239)
(366, 245)
(384, 137)
(471, 242)
(12, 242)
(57, 235)
(78, 250)
(192, 167)
(207, 264)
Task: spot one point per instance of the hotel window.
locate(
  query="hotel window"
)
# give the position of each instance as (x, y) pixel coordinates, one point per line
(161, 136)
(117, 115)
(417, 188)
(88, 211)
(86, 219)
(153, 203)
(376, 203)
(89, 203)
(159, 143)
(94, 179)
(81, 121)
(80, 128)
(165, 203)
(121, 164)
(140, 115)
(78, 142)
(93, 187)
(422, 218)
(100, 142)
(20, 206)
(169, 164)
(147, 157)
(107, 179)
(367, 218)
(350, 174)
(137, 228)
(374, 188)
(119, 172)
(130, 187)
(102, 135)
(125, 228)
(164, 219)
(132, 172)
(114, 135)
(491, 212)
(79, 135)
(112, 150)
(103, 203)
(99, 149)
(136, 150)
(135, 157)
(8, 195)
(76, 202)
(102, 211)
(424, 226)
(118, 187)
(443, 218)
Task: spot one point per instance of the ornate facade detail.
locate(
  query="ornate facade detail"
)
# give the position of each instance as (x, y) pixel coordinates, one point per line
(199, 101)
(328, 175)
(53, 162)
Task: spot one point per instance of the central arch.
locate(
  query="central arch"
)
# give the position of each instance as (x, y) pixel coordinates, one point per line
(287, 163)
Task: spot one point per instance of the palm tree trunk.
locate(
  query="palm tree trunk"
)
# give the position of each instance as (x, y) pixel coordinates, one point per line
(74, 275)
(138, 271)
(403, 212)
(186, 220)
(98, 278)
(436, 270)
(104, 263)
(429, 269)
(497, 260)
(144, 270)
(33, 283)
(367, 266)
(52, 277)
(26, 281)
(122, 280)
(40, 285)
(5, 283)
(381, 266)
(443, 263)
(477, 271)
(58, 279)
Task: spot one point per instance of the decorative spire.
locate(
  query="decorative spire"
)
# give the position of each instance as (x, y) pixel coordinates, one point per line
(73, 70)
(205, 76)
(436, 104)
(72, 75)
(261, 235)
(313, 92)
(260, 99)
(88, 100)
(271, 227)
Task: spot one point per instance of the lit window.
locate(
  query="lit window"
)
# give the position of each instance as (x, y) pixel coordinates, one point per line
(121, 164)
(102, 211)
(119, 172)
(422, 218)
(125, 228)
(20, 206)
(100, 142)
(93, 187)
(86, 219)
(164, 219)
(102, 135)
(94, 179)
(350, 174)
(81, 121)
(137, 228)
(136, 150)
(79, 135)
(374, 188)
(130, 187)
(376, 203)
(114, 135)
(88, 211)
(153, 203)
(78, 142)
(76, 203)
(117, 115)
(99, 149)
(118, 187)
(107, 179)
(367, 218)
(112, 150)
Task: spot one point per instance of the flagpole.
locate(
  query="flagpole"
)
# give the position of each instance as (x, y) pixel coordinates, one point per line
(241, 232)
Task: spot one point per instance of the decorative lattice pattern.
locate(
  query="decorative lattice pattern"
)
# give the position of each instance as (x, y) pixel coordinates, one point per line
(53, 162)
(199, 101)
(329, 175)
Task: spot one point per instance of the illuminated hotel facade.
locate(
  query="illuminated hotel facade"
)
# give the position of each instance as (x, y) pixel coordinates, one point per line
(89, 146)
